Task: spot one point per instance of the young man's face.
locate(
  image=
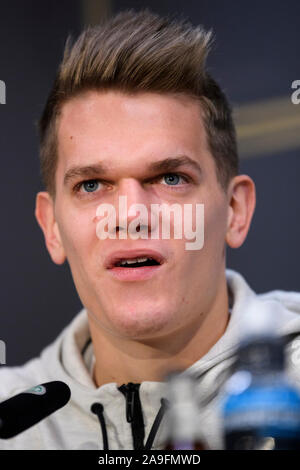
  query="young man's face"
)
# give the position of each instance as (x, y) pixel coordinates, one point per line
(126, 135)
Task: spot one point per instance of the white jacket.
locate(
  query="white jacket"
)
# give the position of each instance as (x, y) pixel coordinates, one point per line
(69, 359)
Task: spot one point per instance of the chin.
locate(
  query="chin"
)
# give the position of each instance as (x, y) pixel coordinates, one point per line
(143, 323)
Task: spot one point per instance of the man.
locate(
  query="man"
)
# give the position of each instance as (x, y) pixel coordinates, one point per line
(133, 113)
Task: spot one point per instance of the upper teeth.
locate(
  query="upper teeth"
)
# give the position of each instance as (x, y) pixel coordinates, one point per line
(135, 260)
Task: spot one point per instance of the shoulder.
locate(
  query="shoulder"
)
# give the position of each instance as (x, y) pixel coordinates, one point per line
(283, 305)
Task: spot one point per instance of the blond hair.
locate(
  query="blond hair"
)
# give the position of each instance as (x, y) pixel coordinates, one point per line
(134, 52)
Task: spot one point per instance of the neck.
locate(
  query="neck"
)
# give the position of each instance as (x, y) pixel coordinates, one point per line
(122, 360)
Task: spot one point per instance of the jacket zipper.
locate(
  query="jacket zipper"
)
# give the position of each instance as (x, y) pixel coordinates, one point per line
(134, 413)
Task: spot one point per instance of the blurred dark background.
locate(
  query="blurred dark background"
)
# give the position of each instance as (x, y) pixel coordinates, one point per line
(255, 59)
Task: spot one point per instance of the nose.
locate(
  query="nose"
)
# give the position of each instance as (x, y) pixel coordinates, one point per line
(133, 209)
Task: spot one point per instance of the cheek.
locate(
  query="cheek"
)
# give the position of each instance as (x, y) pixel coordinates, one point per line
(78, 234)
(215, 231)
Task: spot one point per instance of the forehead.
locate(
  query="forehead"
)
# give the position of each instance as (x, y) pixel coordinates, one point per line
(123, 129)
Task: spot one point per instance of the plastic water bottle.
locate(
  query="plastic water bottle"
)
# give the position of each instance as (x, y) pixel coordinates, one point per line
(261, 407)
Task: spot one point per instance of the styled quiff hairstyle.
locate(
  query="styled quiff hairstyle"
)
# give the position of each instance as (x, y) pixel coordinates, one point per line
(141, 52)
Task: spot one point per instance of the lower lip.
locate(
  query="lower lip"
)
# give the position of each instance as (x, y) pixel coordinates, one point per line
(134, 274)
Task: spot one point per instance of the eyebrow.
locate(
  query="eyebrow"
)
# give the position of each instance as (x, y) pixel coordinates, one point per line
(168, 164)
(88, 171)
(172, 163)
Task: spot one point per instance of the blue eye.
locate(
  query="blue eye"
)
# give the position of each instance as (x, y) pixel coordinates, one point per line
(173, 178)
(90, 186)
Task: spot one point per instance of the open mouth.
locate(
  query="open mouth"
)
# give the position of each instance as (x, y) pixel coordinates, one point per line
(136, 262)
(138, 266)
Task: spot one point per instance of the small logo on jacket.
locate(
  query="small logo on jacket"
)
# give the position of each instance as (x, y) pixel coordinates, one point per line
(38, 390)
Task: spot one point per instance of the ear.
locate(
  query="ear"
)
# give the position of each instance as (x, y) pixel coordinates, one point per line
(45, 215)
(242, 201)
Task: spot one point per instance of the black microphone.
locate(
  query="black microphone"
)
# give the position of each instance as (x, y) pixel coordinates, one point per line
(31, 406)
